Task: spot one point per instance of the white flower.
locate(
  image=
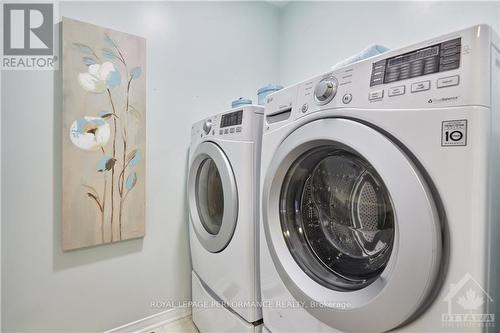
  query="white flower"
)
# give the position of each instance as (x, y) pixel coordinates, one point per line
(90, 133)
(100, 77)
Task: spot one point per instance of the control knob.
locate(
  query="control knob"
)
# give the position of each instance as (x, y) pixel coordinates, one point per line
(207, 126)
(325, 90)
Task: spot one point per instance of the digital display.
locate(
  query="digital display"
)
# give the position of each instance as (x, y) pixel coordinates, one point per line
(432, 59)
(420, 54)
(231, 119)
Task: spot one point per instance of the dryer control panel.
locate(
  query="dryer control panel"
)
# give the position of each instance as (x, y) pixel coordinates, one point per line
(239, 124)
(231, 119)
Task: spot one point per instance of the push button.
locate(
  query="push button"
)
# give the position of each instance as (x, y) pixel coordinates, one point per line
(396, 91)
(347, 98)
(451, 43)
(231, 130)
(420, 86)
(377, 94)
(448, 81)
(376, 80)
(453, 65)
(238, 129)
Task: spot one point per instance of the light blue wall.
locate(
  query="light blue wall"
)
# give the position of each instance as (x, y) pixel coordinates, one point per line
(316, 35)
(200, 57)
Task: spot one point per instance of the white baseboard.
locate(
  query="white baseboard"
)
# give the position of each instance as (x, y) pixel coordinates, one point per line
(148, 323)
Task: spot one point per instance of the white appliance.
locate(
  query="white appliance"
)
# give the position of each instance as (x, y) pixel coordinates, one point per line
(379, 190)
(223, 184)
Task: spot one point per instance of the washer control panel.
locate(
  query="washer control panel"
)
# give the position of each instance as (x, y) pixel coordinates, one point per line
(414, 87)
(450, 70)
(412, 67)
(441, 57)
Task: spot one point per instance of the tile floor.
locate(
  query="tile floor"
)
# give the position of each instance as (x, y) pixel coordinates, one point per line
(183, 325)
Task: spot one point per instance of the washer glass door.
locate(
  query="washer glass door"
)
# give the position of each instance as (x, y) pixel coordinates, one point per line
(212, 196)
(337, 217)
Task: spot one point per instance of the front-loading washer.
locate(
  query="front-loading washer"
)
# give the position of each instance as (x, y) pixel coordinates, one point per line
(379, 193)
(223, 181)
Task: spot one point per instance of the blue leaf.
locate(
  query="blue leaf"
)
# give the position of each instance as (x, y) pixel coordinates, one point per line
(135, 72)
(131, 181)
(99, 122)
(83, 48)
(88, 61)
(134, 160)
(109, 54)
(80, 125)
(114, 79)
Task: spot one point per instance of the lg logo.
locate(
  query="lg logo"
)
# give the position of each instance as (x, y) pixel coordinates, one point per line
(28, 29)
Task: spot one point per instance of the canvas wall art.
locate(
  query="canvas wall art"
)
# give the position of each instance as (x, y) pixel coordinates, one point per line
(104, 135)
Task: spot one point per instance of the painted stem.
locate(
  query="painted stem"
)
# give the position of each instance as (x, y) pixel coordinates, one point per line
(121, 177)
(113, 169)
(103, 210)
(124, 136)
(97, 202)
(122, 185)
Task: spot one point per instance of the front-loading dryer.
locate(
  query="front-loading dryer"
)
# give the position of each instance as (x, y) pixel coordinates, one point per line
(223, 181)
(379, 193)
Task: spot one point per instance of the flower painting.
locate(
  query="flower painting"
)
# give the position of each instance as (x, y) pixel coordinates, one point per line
(104, 134)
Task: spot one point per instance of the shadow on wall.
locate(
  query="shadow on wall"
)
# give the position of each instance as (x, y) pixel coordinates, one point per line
(187, 218)
(67, 259)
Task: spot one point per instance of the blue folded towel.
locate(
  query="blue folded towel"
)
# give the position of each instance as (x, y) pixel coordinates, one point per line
(368, 52)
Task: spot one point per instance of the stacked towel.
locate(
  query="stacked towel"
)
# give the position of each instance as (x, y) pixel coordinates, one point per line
(368, 52)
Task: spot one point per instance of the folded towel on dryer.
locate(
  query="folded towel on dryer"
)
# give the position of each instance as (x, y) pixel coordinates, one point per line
(370, 51)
